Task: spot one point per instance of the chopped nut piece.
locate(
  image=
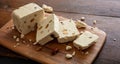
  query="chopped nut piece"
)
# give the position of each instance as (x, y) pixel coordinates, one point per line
(30, 40)
(32, 20)
(65, 31)
(94, 21)
(68, 56)
(14, 37)
(22, 35)
(17, 44)
(12, 27)
(47, 8)
(47, 26)
(86, 53)
(40, 28)
(14, 46)
(24, 42)
(35, 43)
(82, 19)
(73, 54)
(17, 40)
(68, 47)
(81, 32)
(114, 39)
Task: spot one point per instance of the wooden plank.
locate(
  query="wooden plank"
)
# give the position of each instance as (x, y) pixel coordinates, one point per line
(44, 55)
(4, 17)
(108, 24)
(94, 7)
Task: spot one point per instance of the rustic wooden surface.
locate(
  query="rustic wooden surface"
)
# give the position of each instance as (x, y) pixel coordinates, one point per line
(106, 12)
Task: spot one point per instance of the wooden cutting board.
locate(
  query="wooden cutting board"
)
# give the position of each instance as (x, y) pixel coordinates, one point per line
(42, 54)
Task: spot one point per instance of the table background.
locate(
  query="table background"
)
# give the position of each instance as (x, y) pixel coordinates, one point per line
(106, 12)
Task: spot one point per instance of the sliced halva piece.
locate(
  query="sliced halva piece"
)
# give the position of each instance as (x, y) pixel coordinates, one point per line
(68, 31)
(26, 17)
(46, 28)
(85, 40)
(80, 24)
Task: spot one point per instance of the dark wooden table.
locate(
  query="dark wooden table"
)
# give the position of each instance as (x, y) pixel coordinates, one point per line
(106, 12)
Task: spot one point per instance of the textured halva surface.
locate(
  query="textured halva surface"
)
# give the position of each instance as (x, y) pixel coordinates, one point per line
(26, 17)
(47, 27)
(85, 40)
(68, 31)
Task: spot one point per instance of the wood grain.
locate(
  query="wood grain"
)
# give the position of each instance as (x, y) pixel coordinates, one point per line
(44, 56)
(106, 24)
(94, 7)
(105, 8)
(4, 19)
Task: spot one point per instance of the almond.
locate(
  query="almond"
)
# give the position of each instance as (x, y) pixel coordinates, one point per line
(65, 31)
